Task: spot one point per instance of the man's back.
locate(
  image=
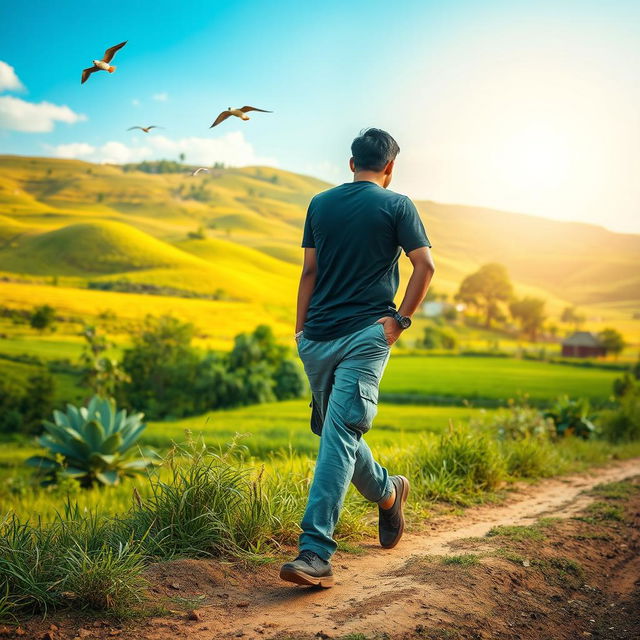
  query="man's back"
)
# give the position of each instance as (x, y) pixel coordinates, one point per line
(358, 230)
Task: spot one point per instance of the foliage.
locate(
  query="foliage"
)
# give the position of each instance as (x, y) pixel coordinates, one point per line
(78, 561)
(486, 289)
(161, 366)
(612, 340)
(93, 444)
(519, 422)
(622, 424)
(155, 166)
(570, 315)
(529, 312)
(463, 463)
(21, 409)
(101, 374)
(169, 377)
(43, 317)
(437, 338)
(571, 417)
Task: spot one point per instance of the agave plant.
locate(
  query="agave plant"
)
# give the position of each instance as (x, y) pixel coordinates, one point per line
(93, 444)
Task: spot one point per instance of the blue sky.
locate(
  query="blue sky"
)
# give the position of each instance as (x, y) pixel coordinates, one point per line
(517, 105)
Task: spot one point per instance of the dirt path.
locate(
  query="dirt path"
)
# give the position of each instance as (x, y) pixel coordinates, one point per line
(379, 592)
(368, 597)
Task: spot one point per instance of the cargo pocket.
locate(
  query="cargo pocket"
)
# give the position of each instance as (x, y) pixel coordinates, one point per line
(364, 406)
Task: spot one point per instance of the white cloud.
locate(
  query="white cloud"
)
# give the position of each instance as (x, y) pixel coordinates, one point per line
(72, 150)
(231, 148)
(135, 102)
(19, 115)
(9, 80)
(161, 97)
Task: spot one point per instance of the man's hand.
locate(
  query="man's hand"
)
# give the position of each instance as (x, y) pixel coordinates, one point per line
(392, 329)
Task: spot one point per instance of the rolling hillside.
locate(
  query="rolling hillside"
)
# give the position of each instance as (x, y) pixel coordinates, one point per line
(236, 232)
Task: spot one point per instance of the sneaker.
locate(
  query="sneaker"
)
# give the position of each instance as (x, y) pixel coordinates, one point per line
(391, 520)
(308, 569)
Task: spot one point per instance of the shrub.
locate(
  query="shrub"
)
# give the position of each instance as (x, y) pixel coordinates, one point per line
(43, 317)
(519, 422)
(622, 424)
(571, 417)
(93, 444)
(437, 338)
(21, 410)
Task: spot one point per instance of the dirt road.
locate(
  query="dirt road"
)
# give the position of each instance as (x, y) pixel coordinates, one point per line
(409, 592)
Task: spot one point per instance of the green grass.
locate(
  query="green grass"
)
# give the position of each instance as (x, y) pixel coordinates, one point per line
(518, 533)
(450, 379)
(275, 427)
(615, 490)
(462, 560)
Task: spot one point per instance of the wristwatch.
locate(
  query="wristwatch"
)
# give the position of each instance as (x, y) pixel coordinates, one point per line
(403, 321)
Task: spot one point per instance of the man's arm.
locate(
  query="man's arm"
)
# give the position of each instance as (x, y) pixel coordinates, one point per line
(305, 288)
(423, 270)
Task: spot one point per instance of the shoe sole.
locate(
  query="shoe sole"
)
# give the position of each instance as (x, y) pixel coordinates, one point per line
(405, 493)
(300, 577)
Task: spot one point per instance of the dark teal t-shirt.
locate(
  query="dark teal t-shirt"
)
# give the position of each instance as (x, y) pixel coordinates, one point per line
(358, 230)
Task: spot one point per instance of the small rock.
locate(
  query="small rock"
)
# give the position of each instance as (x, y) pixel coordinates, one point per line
(84, 633)
(175, 585)
(244, 603)
(526, 563)
(194, 615)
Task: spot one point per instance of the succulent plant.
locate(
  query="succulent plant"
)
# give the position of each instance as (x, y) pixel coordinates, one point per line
(93, 444)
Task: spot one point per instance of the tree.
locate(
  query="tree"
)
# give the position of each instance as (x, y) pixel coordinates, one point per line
(612, 340)
(182, 157)
(570, 315)
(43, 317)
(101, 373)
(161, 366)
(486, 289)
(529, 312)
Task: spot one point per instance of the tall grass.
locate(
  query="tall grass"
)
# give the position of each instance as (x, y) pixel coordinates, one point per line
(205, 502)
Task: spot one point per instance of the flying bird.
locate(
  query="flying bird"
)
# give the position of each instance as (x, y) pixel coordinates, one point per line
(238, 113)
(103, 64)
(198, 170)
(146, 129)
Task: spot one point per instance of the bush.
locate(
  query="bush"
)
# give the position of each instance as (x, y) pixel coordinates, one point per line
(437, 338)
(22, 410)
(622, 424)
(571, 417)
(170, 378)
(43, 317)
(520, 422)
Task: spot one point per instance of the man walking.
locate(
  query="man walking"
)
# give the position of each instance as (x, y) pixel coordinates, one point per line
(346, 323)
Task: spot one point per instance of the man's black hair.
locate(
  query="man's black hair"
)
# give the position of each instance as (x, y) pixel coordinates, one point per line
(373, 149)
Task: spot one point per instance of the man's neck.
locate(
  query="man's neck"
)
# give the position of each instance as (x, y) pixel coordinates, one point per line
(370, 176)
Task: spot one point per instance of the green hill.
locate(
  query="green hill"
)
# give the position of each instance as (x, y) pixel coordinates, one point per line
(237, 231)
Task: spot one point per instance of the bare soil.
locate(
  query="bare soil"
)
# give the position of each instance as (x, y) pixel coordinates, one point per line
(569, 569)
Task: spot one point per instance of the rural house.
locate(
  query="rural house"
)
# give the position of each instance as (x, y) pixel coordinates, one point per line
(582, 344)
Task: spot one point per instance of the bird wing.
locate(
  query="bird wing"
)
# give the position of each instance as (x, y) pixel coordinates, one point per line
(223, 116)
(87, 72)
(111, 51)
(245, 109)
(131, 128)
(154, 126)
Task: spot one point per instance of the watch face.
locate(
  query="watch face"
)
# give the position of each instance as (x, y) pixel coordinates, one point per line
(405, 322)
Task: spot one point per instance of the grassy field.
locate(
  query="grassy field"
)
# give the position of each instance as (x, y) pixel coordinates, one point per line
(484, 378)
